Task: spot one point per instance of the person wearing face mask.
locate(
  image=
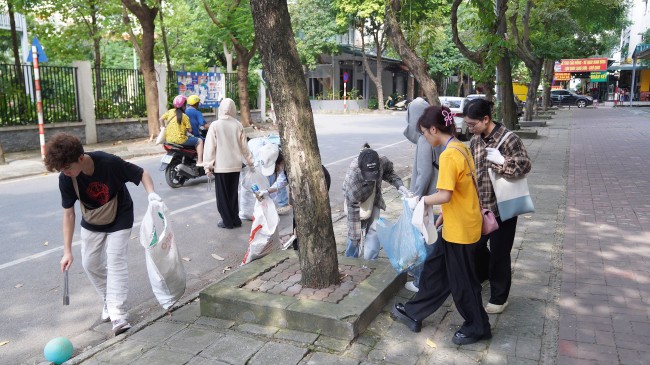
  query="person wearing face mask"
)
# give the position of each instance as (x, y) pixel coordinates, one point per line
(510, 160)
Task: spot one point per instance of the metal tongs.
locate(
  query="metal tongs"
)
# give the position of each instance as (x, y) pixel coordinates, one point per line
(66, 296)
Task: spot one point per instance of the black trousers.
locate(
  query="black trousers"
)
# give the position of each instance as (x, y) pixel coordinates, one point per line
(226, 189)
(449, 269)
(494, 263)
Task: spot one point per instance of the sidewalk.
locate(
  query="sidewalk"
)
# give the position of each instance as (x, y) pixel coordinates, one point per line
(526, 333)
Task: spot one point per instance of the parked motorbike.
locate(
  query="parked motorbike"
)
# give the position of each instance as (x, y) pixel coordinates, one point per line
(179, 164)
(400, 104)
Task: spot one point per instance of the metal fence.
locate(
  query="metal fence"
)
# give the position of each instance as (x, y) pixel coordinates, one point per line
(18, 97)
(120, 93)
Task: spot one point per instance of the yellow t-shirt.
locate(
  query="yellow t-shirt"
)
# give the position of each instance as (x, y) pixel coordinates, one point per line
(462, 214)
(175, 133)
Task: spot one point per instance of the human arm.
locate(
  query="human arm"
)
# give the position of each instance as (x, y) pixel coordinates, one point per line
(68, 231)
(441, 197)
(389, 174)
(280, 183)
(516, 162)
(245, 151)
(210, 150)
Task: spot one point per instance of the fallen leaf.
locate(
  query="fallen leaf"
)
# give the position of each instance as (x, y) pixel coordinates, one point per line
(217, 257)
(187, 259)
(46, 243)
(431, 343)
(18, 286)
(4, 343)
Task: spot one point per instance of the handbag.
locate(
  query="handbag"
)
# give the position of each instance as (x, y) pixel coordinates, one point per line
(99, 216)
(512, 194)
(365, 207)
(161, 136)
(489, 219)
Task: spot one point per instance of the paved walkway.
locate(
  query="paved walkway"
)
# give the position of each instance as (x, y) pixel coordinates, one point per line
(580, 292)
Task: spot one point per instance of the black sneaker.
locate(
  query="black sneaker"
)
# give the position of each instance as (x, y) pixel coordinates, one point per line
(461, 339)
(399, 313)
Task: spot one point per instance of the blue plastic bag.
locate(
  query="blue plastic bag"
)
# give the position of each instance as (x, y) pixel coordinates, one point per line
(402, 242)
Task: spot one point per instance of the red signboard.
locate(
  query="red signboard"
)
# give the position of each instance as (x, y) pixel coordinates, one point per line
(562, 76)
(584, 65)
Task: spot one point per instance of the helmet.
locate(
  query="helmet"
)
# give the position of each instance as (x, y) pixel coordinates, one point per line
(193, 100)
(179, 101)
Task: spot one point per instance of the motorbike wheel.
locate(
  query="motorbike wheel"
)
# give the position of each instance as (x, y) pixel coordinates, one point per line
(173, 178)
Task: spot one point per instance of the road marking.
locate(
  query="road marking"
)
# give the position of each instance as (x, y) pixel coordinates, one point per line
(78, 242)
(353, 156)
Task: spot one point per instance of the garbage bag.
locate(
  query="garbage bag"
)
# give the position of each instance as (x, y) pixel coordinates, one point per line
(246, 197)
(264, 237)
(402, 242)
(164, 264)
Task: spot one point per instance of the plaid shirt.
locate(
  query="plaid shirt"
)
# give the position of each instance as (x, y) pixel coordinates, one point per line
(357, 190)
(517, 163)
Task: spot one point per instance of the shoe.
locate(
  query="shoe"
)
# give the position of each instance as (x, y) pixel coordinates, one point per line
(461, 339)
(221, 225)
(495, 308)
(105, 317)
(284, 210)
(120, 326)
(399, 313)
(411, 287)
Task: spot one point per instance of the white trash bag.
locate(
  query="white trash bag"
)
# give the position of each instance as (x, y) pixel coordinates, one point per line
(264, 237)
(246, 197)
(164, 264)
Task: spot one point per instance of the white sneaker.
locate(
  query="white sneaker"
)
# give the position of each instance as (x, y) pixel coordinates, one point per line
(105, 317)
(120, 326)
(410, 286)
(495, 308)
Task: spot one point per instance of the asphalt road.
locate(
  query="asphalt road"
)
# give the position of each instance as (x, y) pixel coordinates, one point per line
(31, 309)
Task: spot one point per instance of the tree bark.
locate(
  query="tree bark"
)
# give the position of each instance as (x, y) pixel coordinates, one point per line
(375, 78)
(242, 87)
(14, 43)
(228, 55)
(410, 87)
(147, 18)
(97, 52)
(164, 39)
(2, 155)
(531, 97)
(508, 108)
(416, 65)
(547, 80)
(318, 258)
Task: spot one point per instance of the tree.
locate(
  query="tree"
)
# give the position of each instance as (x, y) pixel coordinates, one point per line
(416, 64)
(318, 258)
(315, 29)
(366, 16)
(146, 15)
(14, 42)
(235, 26)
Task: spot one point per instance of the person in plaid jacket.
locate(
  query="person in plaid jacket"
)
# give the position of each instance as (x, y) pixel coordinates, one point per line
(510, 160)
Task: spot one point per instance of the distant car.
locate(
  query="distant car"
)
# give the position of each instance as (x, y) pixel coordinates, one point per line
(518, 103)
(456, 105)
(566, 97)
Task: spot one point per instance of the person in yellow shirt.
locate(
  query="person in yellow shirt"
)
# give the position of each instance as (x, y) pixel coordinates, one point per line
(449, 269)
(178, 129)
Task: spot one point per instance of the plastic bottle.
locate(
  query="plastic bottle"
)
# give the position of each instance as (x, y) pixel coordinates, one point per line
(256, 191)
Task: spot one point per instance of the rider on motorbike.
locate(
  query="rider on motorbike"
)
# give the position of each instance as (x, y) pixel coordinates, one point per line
(197, 122)
(178, 128)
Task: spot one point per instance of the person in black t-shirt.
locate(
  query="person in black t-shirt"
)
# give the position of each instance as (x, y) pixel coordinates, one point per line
(100, 180)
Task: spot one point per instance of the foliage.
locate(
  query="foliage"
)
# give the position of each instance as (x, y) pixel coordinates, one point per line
(373, 103)
(315, 29)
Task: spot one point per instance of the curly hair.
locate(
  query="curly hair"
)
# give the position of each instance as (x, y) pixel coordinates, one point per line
(62, 150)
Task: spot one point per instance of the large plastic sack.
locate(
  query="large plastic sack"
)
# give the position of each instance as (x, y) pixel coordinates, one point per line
(402, 242)
(264, 236)
(164, 264)
(246, 197)
(425, 221)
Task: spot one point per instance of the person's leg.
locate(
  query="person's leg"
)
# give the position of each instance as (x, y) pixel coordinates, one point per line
(351, 248)
(434, 285)
(232, 191)
(501, 242)
(371, 244)
(199, 151)
(466, 290)
(222, 199)
(93, 259)
(117, 279)
(483, 259)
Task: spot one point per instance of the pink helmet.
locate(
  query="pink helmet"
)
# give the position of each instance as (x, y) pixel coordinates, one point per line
(179, 101)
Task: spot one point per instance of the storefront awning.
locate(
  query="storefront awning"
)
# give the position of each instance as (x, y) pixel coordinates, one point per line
(626, 67)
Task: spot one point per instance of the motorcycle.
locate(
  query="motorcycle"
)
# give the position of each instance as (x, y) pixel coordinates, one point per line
(179, 164)
(400, 104)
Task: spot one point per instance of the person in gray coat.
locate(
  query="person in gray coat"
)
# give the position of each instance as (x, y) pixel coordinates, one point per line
(425, 166)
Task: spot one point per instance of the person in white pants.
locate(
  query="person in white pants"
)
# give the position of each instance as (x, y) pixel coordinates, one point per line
(97, 180)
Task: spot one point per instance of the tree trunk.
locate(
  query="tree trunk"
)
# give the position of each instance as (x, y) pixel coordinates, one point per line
(375, 78)
(508, 108)
(416, 64)
(242, 88)
(548, 79)
(14, 43)
(164, 39)
(410, 87)
(460, 82)
(318, 258)
(531, 96)
(228, 56)
(97, 52)
(2, 155)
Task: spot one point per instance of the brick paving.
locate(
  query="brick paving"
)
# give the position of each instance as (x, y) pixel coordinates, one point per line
(284, 279)
(605, 295)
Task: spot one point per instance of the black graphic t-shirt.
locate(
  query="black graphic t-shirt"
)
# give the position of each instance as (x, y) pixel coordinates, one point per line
(109, 178)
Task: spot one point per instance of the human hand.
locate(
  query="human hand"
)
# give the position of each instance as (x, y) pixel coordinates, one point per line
(153, 197)
(405, 192)
(413, 201)
(209, 173)
(263, 192)
(439, 221)
(66, 262)
(251, 168)
(494, 156)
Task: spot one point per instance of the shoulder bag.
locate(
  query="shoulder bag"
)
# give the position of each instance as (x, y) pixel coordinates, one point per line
(489, 220)
(99, 216)
(512, 195)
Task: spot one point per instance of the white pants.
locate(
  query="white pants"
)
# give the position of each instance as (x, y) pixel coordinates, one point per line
(104, 258)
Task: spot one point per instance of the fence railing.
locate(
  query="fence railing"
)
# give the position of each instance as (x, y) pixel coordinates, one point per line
(18, 97)
(119, 93)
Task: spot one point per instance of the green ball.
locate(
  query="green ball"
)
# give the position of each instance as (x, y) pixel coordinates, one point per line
(58, 350)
